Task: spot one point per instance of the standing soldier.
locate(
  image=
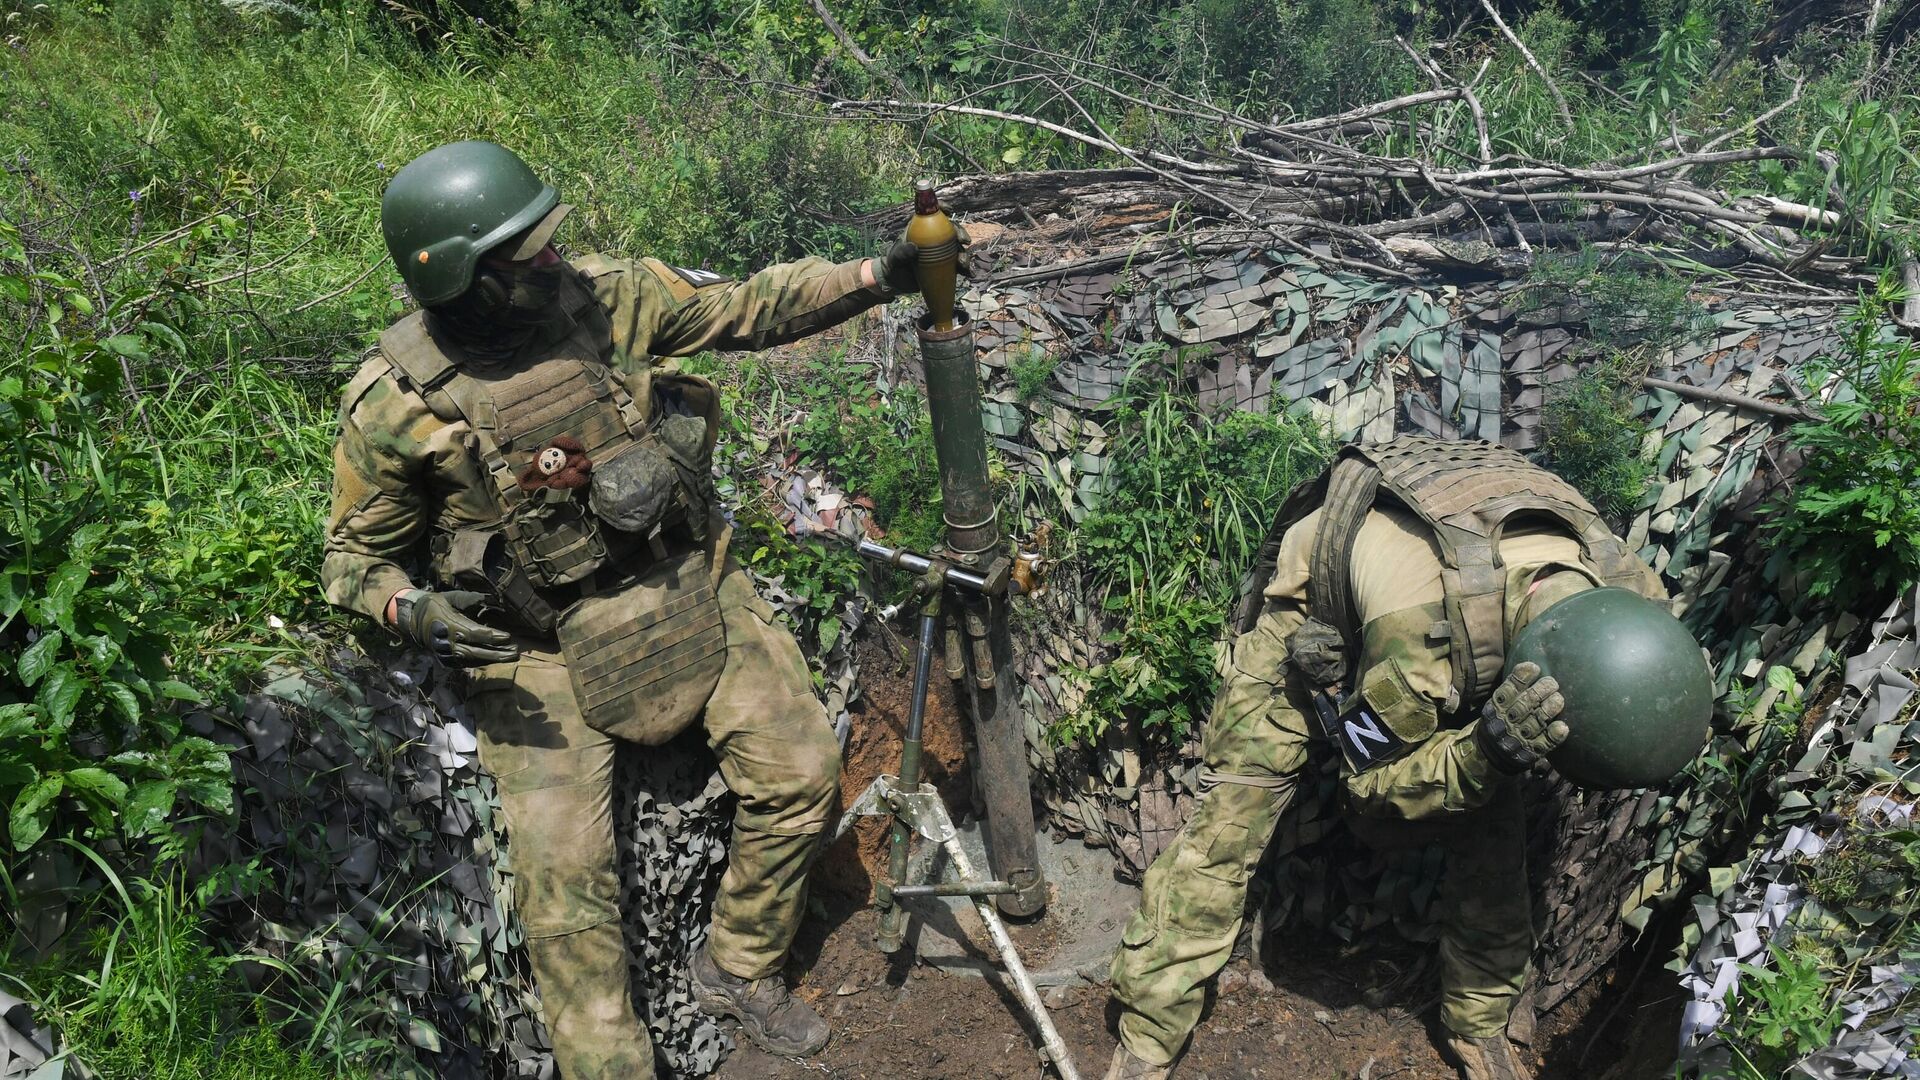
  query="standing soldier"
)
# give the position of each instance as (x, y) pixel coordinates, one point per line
(1446, 615)
(516, 436)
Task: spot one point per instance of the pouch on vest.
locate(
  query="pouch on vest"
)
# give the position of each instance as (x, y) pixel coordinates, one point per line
(686, 442)
(645, 658)
(553, 538)
(637, 490)
(476, 558)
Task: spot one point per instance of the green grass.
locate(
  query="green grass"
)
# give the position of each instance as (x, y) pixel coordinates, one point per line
(142, 993)
(1192, 495)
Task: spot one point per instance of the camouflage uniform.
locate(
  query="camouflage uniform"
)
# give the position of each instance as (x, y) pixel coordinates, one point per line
(402, 474)
(1256, 742)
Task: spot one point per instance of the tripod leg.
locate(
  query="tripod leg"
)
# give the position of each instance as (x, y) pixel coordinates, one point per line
(893, 917)
(1056, 1048)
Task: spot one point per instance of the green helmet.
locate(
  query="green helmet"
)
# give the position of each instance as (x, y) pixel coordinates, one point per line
(1638, 690)
(452, 204)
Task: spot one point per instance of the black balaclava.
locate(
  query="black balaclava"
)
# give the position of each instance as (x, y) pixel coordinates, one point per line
(494, 319)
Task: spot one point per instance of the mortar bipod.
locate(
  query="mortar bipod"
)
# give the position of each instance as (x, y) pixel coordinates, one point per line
(921, 812)
(915, 809)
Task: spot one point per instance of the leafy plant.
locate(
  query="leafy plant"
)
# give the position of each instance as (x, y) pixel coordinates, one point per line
(878, 446)
(1626, 311)
(1868, 868)
(1192, 494)
(1665, 80)
(1592, 436)
(1032, 372)
(1783, 1012)
(89, 742)
(1851, 523)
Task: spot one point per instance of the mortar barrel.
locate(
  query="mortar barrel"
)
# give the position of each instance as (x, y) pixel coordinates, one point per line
(959, 438)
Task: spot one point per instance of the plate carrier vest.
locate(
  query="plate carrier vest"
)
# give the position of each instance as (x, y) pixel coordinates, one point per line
(637, 618)
(1466, 492)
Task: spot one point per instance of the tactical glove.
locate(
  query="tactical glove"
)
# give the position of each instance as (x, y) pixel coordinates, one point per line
(1518, 726)
(896, 269)
(438, 622)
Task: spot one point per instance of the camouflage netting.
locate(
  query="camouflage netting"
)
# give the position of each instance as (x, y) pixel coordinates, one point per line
(25, 1046)
(1263, 330)
(1856, 777)
(366, 802)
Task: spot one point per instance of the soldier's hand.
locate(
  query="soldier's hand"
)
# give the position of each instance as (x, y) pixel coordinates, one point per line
(441, 623)
(1520, 724)
(898, 271)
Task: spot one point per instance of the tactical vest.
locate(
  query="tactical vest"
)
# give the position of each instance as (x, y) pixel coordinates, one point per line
(1466, 493)
(629, 596)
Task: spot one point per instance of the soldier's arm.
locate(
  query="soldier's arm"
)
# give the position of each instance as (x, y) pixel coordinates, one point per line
(663, 311)
(1445, 773)
(378, 514)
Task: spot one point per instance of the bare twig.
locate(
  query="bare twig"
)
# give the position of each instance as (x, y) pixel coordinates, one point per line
(1728, 397)
(1559, 99)
(362, 276)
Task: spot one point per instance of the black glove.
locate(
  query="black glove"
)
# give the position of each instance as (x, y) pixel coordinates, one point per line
(1518, 726)
(897, 270)
(438, 622)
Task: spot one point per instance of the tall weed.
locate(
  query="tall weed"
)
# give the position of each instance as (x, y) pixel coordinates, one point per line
(1851, 523)
(1192, 496)
(143, 995)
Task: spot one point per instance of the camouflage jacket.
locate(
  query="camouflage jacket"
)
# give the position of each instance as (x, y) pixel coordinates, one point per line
(1403, 672)
(400, 471)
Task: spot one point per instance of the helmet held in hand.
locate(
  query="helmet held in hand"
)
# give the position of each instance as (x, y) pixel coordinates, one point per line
(1638, 692)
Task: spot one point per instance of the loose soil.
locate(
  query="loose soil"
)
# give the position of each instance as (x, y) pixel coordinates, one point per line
(1318, 1009)
(843, 879)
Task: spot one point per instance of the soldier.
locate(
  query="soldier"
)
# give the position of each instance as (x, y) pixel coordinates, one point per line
(1413, 576)
(517, 435)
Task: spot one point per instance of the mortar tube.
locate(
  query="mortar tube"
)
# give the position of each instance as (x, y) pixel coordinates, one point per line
(959, 438)
(1001, 772)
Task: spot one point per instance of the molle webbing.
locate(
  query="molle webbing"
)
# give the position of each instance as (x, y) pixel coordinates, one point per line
(421, 363)
(1350, 489)
(1466, 492)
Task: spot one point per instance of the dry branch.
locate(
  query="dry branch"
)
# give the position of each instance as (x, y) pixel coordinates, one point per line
(1559, 99)
(1324, 177)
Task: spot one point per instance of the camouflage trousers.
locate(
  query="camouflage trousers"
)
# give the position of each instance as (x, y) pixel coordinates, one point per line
(1192, 905)
(777, 753)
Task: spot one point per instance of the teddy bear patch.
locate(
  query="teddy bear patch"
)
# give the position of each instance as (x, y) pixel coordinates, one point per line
(561, 464)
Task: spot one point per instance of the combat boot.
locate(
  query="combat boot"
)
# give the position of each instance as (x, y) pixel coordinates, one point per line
(772, 1017)
(1491, 1058)
(1127, 1067)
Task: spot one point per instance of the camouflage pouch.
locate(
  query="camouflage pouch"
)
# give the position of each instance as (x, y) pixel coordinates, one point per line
(645, 658)
(554, 539)
(1319, 652)
(637, 490)
(685, 438)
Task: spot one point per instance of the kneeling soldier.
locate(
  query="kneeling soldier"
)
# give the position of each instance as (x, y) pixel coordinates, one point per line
(1445, 615)
(517, 434)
